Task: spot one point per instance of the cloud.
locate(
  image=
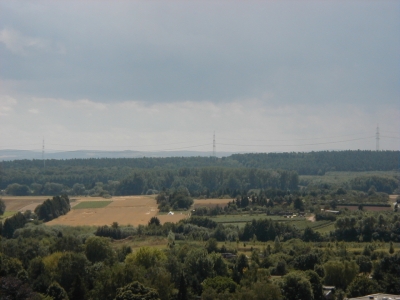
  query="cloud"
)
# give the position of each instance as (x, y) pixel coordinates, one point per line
(7, 105)
(23, 45)
(33, 111)
(251, 126)
(204, 51)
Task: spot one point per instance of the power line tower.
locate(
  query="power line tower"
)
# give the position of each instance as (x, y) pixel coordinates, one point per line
(377, 137)
(214, 147)
(44, 162)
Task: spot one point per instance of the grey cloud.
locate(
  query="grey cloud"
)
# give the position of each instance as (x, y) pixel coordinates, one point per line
(312, 52)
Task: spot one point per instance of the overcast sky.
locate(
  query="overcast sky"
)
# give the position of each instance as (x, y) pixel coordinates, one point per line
(266, 76)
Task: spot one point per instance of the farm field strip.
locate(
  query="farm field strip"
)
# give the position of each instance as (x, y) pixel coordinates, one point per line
(365, 207)
(211, 202)
(134, 210)
(92, 204)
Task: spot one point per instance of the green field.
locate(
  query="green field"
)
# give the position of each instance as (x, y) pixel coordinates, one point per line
(7, 214)
(92, 204)
(338, 178)
(300, 223)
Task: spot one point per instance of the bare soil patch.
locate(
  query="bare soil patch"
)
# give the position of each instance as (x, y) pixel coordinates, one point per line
(311, 218)
(176, 217)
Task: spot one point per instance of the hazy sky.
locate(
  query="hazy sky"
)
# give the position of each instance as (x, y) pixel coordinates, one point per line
(266, 76)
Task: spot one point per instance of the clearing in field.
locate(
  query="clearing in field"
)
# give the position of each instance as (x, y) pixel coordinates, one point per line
(91, 204)
(176, 217)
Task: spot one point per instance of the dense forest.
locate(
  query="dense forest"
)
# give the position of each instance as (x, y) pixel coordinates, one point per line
(201, 176)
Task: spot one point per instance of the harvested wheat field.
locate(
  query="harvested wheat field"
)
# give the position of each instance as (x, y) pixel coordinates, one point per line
(125, 210)
(23, 203)
(211, 202)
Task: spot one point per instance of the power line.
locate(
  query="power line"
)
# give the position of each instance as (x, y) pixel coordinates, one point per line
(147, 151)
(305, 139)
(296, 145)
(129, 146)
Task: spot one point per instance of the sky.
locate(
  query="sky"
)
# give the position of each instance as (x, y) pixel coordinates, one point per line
(265, 76)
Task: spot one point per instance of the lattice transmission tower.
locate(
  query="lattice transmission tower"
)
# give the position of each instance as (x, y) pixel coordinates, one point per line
(377, 137)
(44, 162)
(214, 146)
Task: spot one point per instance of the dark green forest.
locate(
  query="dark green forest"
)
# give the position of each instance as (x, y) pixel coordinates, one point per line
(201, 176)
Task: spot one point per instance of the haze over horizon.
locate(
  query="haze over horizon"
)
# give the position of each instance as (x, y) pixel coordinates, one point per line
(163, 76)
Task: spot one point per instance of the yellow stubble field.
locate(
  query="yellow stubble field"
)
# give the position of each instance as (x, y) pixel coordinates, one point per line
(211, 202)
(133, 210)
(23, 203)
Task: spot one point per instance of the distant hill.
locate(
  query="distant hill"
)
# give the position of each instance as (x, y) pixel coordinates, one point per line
(7, 155)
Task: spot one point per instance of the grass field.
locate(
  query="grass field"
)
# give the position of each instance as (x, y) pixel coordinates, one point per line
(300, 223)
(337, 178)
(366, 208)
(92, 204)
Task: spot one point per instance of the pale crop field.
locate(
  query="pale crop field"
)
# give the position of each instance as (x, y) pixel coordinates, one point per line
(23, 203)
(211, 202)
(133, 210)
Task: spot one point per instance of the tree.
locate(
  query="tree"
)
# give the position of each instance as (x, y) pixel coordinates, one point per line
(316, 284)
(78, 289)
(212, 245)
(298, 204)
(70, 266)
(182, 293)
(220, 284)
(340, 274)
(16, 189)
(277, 244)
(365, 264)
(2, 207)
(13, 288)
(361, 286)
(99, 249)
(12, 224)
(136, 291)
(198, 266)
(391, 248)
(57, 292)
(146, 257)
(154, 221)
(296, 286)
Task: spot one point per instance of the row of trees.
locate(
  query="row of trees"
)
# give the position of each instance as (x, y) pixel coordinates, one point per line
(52, 209)
(209, 182)
(305, 163)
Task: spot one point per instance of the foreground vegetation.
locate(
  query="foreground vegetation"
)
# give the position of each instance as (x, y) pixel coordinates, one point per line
(194, 257)
(278, 234)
